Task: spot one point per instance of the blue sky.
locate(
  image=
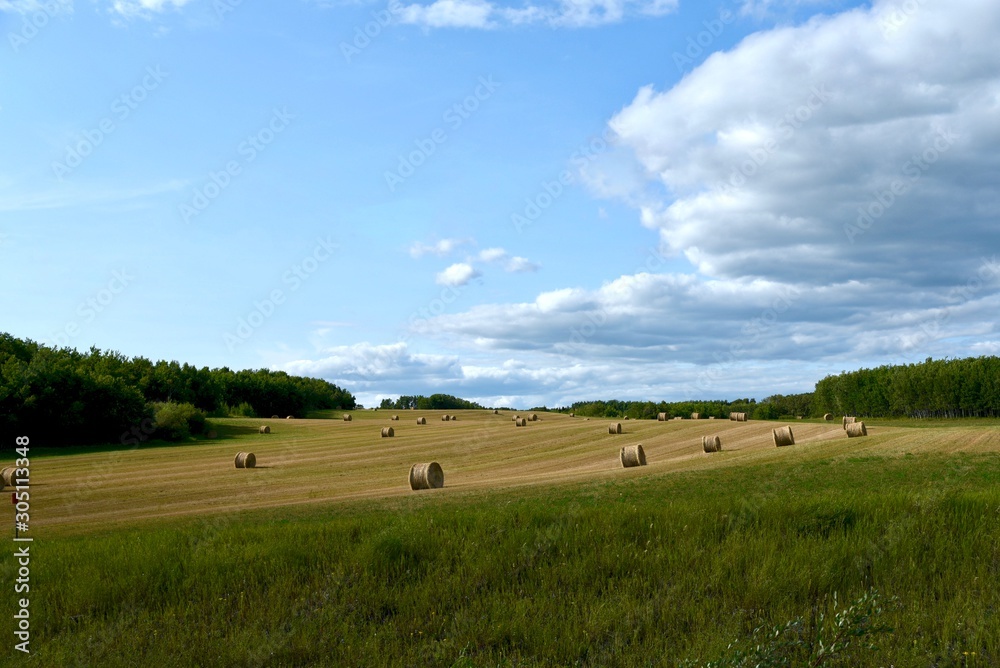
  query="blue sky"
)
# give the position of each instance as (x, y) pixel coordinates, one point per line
(521, 204)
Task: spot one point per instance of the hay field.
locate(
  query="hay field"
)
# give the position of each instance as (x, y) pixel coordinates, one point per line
(310, 461)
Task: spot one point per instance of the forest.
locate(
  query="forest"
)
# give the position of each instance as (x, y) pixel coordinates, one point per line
(433, 402)
(62, 396)
(968, 387)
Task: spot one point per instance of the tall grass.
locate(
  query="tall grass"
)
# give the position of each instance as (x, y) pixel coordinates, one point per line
(641, 571)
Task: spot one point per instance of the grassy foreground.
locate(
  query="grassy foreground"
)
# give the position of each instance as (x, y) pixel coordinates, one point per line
(648, 570)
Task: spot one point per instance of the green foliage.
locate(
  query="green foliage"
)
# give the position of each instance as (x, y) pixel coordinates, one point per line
(175, 422)
(433, 402)
(64, 397)
(841, 640)
(934, 388)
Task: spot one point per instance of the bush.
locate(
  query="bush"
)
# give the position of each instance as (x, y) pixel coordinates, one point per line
(175, 422)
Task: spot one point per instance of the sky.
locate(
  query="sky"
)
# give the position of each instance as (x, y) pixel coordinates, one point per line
(522, 204)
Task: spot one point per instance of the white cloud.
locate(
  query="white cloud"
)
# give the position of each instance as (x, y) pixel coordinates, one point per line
(518, 264)
(448, 14)
(440, 248)
(566, 13)
(492, 254)
(50, 7)
(134, 8)
(457, 274)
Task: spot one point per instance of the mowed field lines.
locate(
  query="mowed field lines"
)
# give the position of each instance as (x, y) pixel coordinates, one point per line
(325, 460)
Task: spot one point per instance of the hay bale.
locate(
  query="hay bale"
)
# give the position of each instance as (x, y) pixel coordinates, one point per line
(572, 414)
(394, 417)
(275, 417)
(661, 417)
(496, 412)
(520, 422)
(782, 436)
(625, 418)
(347, 417)
(632, 455)
(847, 420)
(445, 418)
(290, 417)
(421, 420)
(533, 417)
(387, 432)
(711, 444)
(695, 416)
(264, 429)
(855, 429)
(426, 476)
(615, 428)
(7, 474)
(738, 417)
(245, 460)
(515, 418)
(828, 416)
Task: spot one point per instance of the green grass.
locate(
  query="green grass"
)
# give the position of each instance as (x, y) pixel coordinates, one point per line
(633, 571)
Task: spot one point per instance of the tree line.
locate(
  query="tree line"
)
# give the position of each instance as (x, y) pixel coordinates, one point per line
(433, 402)
(968, 387)
(66, 397)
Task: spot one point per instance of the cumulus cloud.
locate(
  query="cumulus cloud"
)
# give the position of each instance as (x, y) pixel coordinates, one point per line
(440, 248)
(515, 264)
(457, 274)
(483, 14)
(133, 8)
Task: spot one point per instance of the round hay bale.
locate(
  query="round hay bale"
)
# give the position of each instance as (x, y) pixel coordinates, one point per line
(7, 474)
(394, 417)
(732, 416)
(520, 422)
(533, 417)
(496, 412)
(695, 416)
(387, 432)
(290, 417)
(632, 455)
(264, 429)
(421, 420)
(626, 418)
(661, 417)
(782, 436)
(245, 460)
(847, 420)
(347, 417)
(711, 444)
(275, 417)
(855, 429)
(828, 416)
(454, 418)
(615, 428)
(426, 476)
(445, 418)
(515, 418)
(572, 414)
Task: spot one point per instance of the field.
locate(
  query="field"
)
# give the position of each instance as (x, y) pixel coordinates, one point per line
(539, 551)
